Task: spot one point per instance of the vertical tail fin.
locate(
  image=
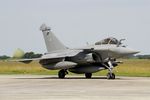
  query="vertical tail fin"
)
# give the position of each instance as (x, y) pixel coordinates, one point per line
(52, 43)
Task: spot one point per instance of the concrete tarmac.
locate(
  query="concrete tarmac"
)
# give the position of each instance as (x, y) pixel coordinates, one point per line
(45, 87)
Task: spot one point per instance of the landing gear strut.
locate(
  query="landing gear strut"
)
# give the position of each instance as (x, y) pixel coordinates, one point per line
(62, 73)
(110, 67)
(88, 75)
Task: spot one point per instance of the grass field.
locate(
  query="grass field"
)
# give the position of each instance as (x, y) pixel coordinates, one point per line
(131, 67)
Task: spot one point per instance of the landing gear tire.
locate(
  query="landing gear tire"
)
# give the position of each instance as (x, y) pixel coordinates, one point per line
(88, 75)
(110, 76)
(62, 73)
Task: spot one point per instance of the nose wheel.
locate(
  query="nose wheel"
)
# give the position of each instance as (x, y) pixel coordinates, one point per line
(110, 76)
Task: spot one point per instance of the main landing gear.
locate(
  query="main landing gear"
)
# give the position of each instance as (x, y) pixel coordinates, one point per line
(62, 73)
(88, 75)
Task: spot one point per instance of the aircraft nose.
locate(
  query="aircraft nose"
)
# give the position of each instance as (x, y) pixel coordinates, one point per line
(133, 51)
(129, 51)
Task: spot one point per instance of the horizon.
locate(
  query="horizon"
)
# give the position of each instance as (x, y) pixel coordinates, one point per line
(74, 23)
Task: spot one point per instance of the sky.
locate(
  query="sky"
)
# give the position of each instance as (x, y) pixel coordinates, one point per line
(74, 22)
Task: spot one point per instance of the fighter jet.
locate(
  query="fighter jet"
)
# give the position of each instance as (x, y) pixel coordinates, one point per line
(86, 60)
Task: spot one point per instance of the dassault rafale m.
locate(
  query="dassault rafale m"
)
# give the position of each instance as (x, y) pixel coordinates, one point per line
(86, 60)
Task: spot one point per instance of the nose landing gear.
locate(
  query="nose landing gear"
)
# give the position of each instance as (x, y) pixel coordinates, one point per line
(110, 67)
(110, 76)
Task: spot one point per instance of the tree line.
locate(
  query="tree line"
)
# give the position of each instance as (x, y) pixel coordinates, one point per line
(27, 55)
(142, 56)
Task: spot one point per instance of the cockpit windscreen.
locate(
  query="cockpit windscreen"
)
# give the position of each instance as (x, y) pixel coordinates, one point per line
(110, 40)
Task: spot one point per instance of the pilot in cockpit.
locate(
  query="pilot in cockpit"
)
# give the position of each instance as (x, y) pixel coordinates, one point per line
(109, 40)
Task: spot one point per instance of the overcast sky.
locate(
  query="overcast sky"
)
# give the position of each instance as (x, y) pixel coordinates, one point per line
(74, 22)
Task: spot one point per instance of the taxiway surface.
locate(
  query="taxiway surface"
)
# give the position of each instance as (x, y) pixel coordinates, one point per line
(45, 87)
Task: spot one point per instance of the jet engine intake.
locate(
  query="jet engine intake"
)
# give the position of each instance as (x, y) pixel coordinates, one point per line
(96, 57)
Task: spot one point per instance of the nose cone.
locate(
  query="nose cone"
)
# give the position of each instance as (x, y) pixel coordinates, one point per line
(131, 51)
(128, 51)
(119, 52)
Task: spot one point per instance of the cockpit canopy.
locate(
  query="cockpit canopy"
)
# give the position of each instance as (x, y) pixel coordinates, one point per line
(109, 40)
